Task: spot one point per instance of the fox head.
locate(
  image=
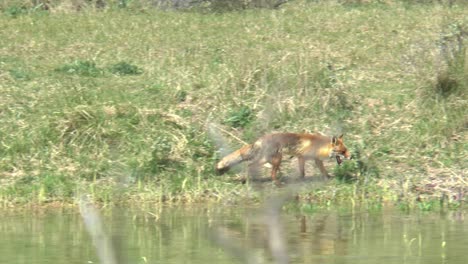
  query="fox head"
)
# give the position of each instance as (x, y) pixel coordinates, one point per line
(339, 149)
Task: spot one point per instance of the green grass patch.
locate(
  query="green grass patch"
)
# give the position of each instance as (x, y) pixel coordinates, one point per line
(139, 110)
(239, 117)
(125, 68)
(81, 68)
(20, 74)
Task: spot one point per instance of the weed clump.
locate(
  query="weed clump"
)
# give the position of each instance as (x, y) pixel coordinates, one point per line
(360, 168)
(452, 75)
(125, 68)
(16, 10)
(240, 117)
(445, 100)
(81, 68)
(90, 69)
(82, 125)
(222, 5)
(20, 74)
(161, 155)
(331, 91)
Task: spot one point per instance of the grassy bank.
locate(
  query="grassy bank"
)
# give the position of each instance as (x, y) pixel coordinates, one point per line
(136, 105)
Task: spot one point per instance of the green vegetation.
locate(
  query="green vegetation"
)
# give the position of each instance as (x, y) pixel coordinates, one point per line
(125, 68)
(82, 68)
(132, 104)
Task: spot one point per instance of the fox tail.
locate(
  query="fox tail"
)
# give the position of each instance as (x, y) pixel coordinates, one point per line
(247, 152)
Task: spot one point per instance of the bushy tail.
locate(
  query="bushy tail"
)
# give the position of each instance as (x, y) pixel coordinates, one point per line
(245, 153)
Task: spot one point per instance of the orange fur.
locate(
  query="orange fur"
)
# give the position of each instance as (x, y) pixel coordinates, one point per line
(271, 148)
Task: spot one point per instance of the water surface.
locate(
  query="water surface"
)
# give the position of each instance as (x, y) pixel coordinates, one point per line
(237, 235)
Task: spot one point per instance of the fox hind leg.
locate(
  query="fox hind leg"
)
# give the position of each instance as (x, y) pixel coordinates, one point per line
(254, 169)
(301, 162)
(275, 163)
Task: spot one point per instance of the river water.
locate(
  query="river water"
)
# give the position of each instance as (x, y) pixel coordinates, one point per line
(233, 235)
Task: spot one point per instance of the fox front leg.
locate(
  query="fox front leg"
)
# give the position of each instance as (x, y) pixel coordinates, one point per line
(323, 171)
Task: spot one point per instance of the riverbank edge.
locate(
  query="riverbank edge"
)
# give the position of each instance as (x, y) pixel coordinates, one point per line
(305, 196)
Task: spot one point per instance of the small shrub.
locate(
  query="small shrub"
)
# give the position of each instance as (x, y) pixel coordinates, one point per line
(181, 96)
(346, 172)
(15, 11)
(82, 68)
(43, 187)
(84, 125)
(426, 205)
(161, 155)
(125, 68)
(240, 117)
(56, 186)
(156, 88)
(20, 74)
(359, 168)
(218, 5)
(452, 76)
(444, 101)
(333, 96)
(200, 147)
(446, 84)
(22, 190)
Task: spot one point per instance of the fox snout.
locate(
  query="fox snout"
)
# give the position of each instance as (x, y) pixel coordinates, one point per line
(221, 171)
(347, 155)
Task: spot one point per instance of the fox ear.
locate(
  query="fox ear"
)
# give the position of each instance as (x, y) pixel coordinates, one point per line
(341, 136)
(334, 140)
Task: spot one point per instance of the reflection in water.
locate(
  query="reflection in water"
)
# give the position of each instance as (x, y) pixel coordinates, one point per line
(95, 227)
(171, 235)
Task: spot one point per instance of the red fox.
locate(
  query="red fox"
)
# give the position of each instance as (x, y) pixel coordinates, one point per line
(272, 147)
